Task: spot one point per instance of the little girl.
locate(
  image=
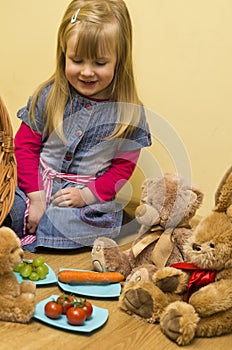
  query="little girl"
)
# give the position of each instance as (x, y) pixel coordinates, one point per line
(81, 133)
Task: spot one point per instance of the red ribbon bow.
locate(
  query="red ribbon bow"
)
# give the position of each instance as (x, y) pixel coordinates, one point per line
(198, 278)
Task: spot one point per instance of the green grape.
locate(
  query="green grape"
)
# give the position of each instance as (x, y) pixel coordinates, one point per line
(40, 260)
(18, 267)
(26, 270)
(45, 267)
(34, 270)
(34, 276)
(42, 271)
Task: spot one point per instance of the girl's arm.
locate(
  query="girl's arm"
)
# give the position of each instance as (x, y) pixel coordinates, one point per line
(102, 189)
(106, 186)
(27, 151)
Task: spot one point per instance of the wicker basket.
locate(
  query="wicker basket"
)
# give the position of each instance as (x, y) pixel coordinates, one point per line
(8, 170)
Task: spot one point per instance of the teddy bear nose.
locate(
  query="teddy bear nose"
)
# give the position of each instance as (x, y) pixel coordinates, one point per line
(196, 247)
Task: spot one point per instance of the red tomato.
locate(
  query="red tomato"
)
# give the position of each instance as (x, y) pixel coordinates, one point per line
(66, 301)
(88, 309)
(76, 315)
(53, 310)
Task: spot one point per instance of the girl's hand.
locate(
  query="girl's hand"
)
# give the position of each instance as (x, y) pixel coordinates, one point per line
(69, 197)
(36, 210)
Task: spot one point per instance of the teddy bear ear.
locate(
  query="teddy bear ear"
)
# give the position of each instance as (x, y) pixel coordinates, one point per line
(144, 193)
(223, 195)
(195, 200)
(147, 183)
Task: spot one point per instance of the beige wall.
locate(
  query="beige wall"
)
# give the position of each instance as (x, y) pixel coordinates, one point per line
(183, 55)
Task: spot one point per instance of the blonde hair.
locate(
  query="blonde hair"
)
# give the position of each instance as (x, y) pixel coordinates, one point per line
(101, 26)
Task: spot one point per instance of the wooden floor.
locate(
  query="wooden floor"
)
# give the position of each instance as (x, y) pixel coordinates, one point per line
(121, 332)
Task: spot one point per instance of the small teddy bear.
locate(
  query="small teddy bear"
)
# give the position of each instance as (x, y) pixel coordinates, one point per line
(17, 300)
(192, 299)
(167, 204)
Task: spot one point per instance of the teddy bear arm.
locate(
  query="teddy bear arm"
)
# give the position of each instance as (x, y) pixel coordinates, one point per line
(17, 301)
(17, 309)
(9, 285)
(179, 322)
(144, 272)
(224, 274)
(215, 325)
(212, 298)
(143, 299)
(27, 287)
(171, 280)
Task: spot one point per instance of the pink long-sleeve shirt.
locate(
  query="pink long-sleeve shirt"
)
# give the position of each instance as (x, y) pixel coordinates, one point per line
(28, 145)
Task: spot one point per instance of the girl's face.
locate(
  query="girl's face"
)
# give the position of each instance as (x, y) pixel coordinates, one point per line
(90, 77)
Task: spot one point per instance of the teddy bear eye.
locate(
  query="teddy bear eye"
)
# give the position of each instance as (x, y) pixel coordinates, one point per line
(211, 245)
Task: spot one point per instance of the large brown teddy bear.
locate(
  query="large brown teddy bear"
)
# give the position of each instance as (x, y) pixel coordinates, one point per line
(17, 300)
(168, 202)
(203, 287)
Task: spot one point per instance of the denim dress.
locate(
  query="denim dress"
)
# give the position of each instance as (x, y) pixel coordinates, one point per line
(85, 150)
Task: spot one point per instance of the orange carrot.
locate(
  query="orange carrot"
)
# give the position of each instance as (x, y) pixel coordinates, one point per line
(80, 277)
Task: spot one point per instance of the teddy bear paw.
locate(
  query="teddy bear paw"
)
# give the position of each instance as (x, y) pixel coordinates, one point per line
(102, 252)
(139, 301)
(170, 280)
(142, 273)
(143, 299)
(106, 256)
(179, 322)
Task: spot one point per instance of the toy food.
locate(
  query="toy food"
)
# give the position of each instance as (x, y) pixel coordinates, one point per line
(76, 277)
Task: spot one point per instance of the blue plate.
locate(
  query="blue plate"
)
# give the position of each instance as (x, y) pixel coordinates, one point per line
(98, 318)
(50, 278)
(111, 290)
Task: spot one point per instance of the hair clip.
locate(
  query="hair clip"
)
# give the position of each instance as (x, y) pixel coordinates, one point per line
(74, 16)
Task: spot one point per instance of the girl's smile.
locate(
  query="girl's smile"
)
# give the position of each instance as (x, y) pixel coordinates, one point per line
(88, 83)
(90, 77)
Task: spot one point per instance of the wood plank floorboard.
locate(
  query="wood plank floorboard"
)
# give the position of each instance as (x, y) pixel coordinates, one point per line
(121, 332)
